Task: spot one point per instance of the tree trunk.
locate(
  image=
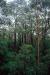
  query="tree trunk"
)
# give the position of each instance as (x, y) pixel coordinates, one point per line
(15, 40)
(15, 36)
(31, 38)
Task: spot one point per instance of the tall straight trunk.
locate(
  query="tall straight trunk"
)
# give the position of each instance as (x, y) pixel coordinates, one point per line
(38, 43)
(22, 38)
(25, 33)
(25, 37)
(38, 39)
(15, 36)
(3, 35)
(19, 38)
(31, 38)
(31, 34)
(15, 39)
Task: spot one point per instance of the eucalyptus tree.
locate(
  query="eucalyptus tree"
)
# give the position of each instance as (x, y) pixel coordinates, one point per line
(19, 10)
(16, 9)
(42, 22)
(29, 26)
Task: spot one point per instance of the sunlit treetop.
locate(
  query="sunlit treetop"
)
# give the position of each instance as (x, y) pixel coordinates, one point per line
(8, 1)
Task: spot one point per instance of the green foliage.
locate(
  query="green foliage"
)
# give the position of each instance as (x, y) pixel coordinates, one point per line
(24, 61)
(47, 43)
(42, 69)
(4, 43)
(27, 55)
(23, 26)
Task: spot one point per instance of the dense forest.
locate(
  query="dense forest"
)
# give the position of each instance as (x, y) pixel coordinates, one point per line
(25, 37)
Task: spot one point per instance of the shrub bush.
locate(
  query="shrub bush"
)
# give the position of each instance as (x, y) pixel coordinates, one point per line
(21, 63)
